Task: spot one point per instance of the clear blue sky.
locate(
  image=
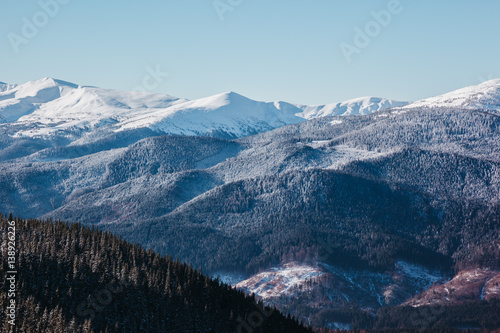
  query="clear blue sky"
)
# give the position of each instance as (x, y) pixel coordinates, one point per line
(264, 49)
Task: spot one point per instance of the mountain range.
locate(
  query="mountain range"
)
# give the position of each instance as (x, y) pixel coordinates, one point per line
(360, 206)
(50, 107)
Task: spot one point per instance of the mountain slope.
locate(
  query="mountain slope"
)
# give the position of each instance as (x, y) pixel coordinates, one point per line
(477, 284)
(47, 107)
(227, 115)
(165, 178)
(84, 280)
(485, 96)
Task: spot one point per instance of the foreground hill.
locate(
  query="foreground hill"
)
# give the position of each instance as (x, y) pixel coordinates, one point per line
(76, 279)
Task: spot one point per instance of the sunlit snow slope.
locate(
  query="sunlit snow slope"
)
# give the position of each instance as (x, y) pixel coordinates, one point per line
(485, 96)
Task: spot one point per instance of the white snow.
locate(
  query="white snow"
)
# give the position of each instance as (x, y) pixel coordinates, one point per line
(485, 96)
(358, 106)
(279, 280)
(48, 106)
(55, 105)
(319, 143)
(229, 112)
(336, 122)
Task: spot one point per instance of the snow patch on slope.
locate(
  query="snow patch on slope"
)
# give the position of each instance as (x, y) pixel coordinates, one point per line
(422, 275)
(475, 284)
(340, 286)
(279, 281)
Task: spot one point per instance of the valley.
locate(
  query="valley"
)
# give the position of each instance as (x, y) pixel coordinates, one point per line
(332, 213)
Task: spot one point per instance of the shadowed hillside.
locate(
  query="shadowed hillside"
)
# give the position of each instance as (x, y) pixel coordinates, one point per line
(76, 279)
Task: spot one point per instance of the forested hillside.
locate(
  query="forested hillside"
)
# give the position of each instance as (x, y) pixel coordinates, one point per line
(76, 279)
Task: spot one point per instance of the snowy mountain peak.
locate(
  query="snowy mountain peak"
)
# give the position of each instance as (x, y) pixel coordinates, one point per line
(64, 83)
(232, 94)
(46, 82)
(484, 96)
(32, 87)
(220, 100)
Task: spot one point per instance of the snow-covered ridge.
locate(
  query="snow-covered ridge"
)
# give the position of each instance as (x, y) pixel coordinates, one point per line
(353, 107)
(48, 106)
(484, 96)
(49, 102)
